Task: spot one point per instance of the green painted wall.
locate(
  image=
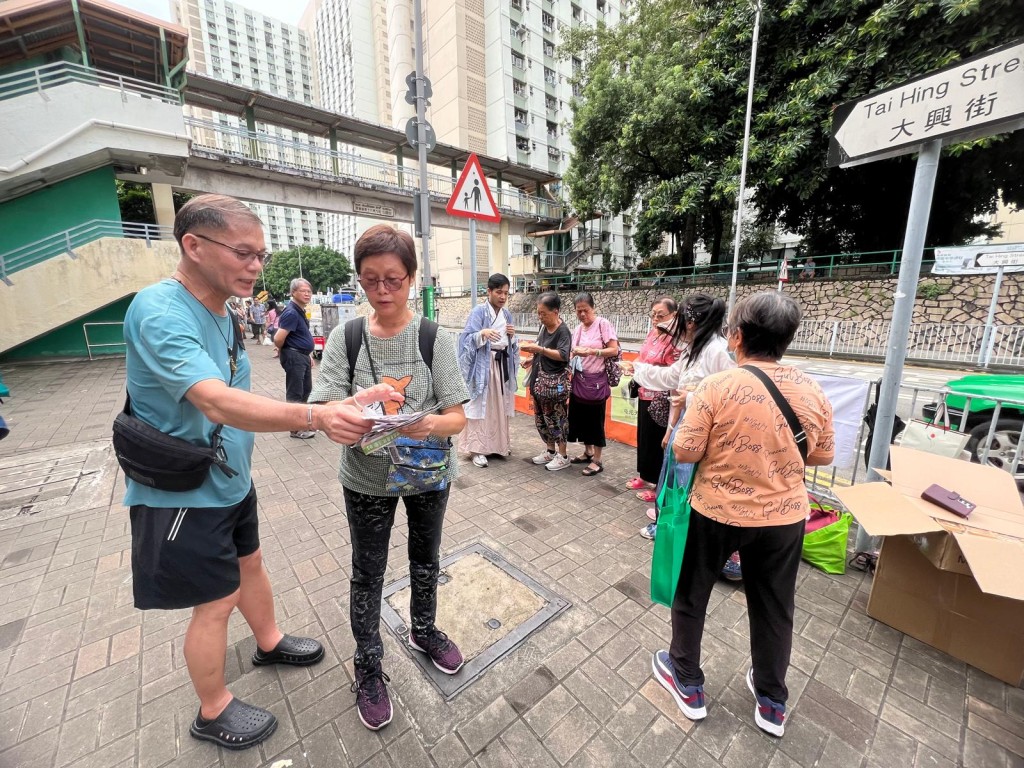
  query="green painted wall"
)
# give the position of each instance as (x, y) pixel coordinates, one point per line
(58, 207)
(69, 340)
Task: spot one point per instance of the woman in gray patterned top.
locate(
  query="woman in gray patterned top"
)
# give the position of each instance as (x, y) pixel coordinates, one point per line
(389, 352)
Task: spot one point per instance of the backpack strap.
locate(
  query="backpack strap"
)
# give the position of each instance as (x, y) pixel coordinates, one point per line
(427, 337)
(354, 341)
(787, 410)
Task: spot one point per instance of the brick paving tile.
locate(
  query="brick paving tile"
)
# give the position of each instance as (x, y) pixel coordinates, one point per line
(85, 680)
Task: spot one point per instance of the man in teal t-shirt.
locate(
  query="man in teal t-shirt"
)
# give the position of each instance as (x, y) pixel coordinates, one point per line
(200, 549)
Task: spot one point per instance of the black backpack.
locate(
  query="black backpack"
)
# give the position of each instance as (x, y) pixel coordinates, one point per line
(354, 340)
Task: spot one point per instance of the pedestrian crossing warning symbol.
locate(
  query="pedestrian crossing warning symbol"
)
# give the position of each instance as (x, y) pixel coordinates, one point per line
(472, 197)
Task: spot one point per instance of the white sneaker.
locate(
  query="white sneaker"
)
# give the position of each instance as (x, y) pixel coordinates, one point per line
(557, 463)
(305, 434)
(479, 460)
(544, 458)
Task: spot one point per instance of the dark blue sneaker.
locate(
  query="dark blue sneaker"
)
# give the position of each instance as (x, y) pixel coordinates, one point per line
(731, 571)
(689, 698)
(769, 715)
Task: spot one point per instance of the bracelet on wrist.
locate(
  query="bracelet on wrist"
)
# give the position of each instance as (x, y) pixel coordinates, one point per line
(309, 418)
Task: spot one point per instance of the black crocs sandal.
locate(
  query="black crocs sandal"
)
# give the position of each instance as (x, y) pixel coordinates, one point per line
(588, 472)
(584, 458)
(297, 651)
(239, 726)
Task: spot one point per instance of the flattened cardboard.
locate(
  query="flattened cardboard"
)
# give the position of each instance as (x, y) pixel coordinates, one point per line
(995, 563)
(884, 511)
(947, 610)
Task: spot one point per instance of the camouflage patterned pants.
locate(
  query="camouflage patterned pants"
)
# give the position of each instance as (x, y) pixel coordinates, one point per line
(370, 519)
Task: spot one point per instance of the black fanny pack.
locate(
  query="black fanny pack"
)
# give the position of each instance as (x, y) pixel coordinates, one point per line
(157, 460)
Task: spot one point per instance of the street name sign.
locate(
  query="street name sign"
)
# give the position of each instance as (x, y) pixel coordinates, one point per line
(979, 259)
(472, 197)
(977, 97)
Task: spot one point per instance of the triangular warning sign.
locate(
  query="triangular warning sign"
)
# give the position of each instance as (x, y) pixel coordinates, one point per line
(472, 197)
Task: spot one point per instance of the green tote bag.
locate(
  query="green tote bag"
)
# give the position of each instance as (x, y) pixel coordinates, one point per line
(673, 525)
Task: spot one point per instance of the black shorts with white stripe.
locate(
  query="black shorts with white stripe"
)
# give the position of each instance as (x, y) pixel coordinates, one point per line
(183, 557)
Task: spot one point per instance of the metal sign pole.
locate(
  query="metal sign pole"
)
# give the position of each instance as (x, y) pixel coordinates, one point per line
(472, 263)
(902, 314)
(421, 140)
(985, 355)
(738, 235)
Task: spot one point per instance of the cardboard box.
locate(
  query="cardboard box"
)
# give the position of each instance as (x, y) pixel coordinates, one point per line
(955, 584)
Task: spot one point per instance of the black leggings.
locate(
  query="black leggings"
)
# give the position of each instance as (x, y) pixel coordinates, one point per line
(771, 559)
(370, 519)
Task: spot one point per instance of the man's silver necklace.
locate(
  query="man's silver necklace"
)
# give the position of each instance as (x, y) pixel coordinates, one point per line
(230, 318)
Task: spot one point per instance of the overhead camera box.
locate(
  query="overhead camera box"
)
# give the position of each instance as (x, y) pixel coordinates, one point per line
(955, 584)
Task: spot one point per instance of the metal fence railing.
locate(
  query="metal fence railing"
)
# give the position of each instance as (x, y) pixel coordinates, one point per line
(931, 342)
(928, 342)
(212, 139)
(66, 242)
(109, 339)
(39, 79)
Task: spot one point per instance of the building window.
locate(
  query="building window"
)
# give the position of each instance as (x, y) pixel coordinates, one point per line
(549, 48)
(518, 61)
(517, 4)
(552, 130)
(519, 88)
(547, 21)
(522, 144)
(550, 77)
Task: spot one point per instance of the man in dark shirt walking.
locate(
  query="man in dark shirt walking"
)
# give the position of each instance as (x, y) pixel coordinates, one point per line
(295, 342)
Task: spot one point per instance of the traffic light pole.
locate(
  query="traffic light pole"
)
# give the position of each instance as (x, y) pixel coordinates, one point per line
(426, 281)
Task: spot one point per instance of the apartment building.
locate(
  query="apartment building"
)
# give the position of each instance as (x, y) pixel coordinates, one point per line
(233, 43)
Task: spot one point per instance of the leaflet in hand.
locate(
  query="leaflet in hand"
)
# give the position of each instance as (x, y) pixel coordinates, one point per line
(385, 429)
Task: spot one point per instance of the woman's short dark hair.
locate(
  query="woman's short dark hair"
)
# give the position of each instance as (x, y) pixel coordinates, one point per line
(383, 238)
(497, 280)
(585, 297)
(768, 321)
(550, 300)
(668, 301)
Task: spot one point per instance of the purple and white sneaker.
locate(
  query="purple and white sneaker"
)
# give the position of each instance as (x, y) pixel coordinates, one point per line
(443, 652)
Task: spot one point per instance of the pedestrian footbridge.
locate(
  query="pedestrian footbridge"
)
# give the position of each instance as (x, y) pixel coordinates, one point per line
(63, 121)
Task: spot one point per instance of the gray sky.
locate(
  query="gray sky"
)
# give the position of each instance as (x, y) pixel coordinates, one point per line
(288, 12)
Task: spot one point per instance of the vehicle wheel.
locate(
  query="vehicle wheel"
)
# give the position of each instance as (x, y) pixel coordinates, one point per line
(1002, 447)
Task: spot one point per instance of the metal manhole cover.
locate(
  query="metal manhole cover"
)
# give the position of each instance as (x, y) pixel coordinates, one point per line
(53, 480)
(487, 605)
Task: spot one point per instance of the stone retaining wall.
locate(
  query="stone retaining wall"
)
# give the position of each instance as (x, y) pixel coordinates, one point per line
(940, 299)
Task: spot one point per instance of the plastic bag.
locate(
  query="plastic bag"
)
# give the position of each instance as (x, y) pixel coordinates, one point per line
(673, 525)
(825, 548)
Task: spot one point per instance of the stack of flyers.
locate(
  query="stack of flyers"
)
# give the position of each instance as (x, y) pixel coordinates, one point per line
(385, 429)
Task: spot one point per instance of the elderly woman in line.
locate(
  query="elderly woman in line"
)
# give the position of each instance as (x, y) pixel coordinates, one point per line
(593, 340)
(748, 495)
(660, 348)
(548, 381)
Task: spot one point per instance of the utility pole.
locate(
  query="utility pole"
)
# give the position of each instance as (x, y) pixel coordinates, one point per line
(422, 94)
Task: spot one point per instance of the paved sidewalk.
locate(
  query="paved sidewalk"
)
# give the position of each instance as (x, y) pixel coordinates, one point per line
(89, 681)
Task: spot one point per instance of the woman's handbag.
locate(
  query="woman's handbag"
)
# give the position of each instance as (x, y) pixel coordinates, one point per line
(550, 386)
(673, 526)
(936, 437)
(659, 407)
(418, 466)
(612, 370)
(591, 387)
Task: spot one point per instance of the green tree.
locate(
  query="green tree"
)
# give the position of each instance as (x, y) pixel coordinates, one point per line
(136, 202)
(323, 267)
(662, 103)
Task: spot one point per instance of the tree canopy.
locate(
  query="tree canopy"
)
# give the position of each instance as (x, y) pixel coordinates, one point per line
(136, 202)
(323, 267)
(659, 121)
